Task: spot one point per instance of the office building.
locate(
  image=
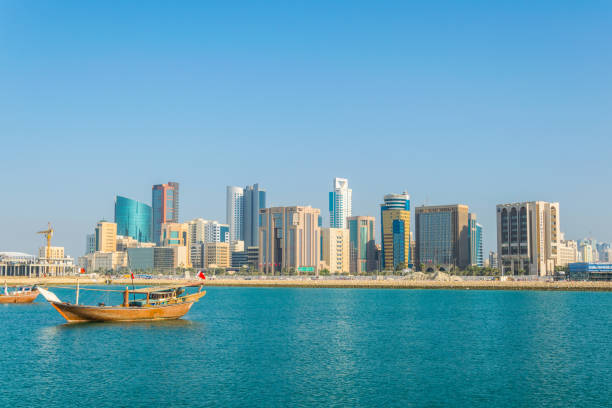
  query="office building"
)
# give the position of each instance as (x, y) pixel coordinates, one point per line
(528, 235)
(177, 235)
(493, 259)
(362, 244)
(217, 255)
(395, 232)
(141, 259)
(134, 219)
(106, 236)
(254, 200)
(197, 253)
(476, 238)
(234, 211)
(590, 271)
(105, 261)
(289, 239)
(165, 200)
(197, 230)
(442, 236)
(253, 256)
(340, 201)
(335, 250)
(567, 251)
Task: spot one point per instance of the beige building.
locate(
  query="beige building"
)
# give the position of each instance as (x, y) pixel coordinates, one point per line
(54, 252)
(217, 255)
(106, 236)
(104, 261)
(567, 252)
(289, 239)
(174, 234)
(335, 250)
(528, 238)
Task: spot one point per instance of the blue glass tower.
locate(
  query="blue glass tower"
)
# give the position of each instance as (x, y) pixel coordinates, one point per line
(134, 219)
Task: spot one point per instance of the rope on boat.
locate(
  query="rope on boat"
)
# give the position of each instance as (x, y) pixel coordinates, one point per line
(82, 288)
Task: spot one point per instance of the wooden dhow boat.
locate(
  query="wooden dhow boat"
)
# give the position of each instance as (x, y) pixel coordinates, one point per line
(154, 303)
(25, 294)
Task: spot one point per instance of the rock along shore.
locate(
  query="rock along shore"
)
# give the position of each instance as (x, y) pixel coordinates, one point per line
(358, 283)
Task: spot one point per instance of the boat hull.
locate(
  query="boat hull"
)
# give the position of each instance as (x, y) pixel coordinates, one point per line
(20, 298)
(79, 313)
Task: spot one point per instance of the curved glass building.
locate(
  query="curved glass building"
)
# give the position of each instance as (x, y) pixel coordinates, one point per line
(134, 219)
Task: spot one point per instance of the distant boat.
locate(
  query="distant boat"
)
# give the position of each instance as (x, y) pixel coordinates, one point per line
(156, 303)
(25, 294)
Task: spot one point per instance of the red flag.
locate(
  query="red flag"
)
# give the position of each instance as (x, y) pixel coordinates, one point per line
(132, 275)
(201, 275)
(82, 270)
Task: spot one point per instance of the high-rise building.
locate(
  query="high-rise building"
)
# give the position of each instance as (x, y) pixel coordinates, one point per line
(165, 200)
(289, 238)
(197, 230)
(340, 203)
(568, 252)
(475, 237)
(442, 236)
(234, 211)
(106, 236)
(395, 231)
(528, 235)
(493, 259)
(134, 219)
(362, 244)
(335, 249)
(254, 200)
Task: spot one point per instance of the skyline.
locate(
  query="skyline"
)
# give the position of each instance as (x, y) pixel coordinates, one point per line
(476, 104)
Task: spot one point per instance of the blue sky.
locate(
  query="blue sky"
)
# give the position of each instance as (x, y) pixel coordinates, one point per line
(472, 102)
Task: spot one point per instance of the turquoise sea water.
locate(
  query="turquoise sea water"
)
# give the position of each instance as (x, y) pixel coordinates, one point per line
(319, 347)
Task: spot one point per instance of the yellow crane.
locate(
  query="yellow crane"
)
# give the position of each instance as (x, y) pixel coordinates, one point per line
(48, 233)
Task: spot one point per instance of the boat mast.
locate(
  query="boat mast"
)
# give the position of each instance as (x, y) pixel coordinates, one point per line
(77, 292)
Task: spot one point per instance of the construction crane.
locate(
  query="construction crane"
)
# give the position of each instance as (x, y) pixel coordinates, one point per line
(48, 233)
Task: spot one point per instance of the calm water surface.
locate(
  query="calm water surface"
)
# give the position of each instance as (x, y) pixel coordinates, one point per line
(319, 347)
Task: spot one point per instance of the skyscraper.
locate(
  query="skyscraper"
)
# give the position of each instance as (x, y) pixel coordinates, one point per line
(106, 236)
(254, 200)
(528, 236)
(362, 244)
(339, 203)
(133, 219)
(475, 237)
(165, 200)
(289, 238)
(395, 231)
(442, 236)
(234, 211)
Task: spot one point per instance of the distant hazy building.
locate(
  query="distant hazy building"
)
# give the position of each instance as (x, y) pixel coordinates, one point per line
(567, 251)
(528, 235)
(493, 259)
(442, 236)
(90, 243)
(105, 261)
(335, 249)
(165, 200)
(289, 238)
(134, 219)
(395, 231)
(106, 236)
(362, 244)
(235, 211)
(254, 200)
(197, 230)
(476, 238)
(141, 259)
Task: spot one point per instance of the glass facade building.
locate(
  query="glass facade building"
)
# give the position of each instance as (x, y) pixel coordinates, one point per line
(362, 245)
(395, 231)
(165, 201)
(254, 200)
(133, 219)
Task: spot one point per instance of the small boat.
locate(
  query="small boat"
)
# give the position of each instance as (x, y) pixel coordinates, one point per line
(155, 303)
(25, 294)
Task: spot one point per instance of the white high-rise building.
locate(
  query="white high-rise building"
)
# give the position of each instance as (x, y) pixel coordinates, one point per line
(197, 230)
(340, 204)
(235, 212)
(216, 232)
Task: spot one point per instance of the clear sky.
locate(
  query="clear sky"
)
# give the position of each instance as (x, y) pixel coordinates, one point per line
(473, 102)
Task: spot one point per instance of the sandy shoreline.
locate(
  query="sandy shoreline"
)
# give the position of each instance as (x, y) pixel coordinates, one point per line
(334, 283)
